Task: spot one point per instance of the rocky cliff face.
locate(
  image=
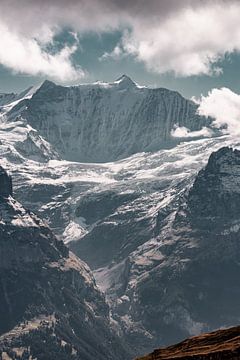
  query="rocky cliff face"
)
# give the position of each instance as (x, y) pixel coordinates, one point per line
(5, 183)
(216, 191)
(49, 303)
(106, 121)
(221, 344)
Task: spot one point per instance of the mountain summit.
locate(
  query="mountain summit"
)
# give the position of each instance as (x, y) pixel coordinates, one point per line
(103, 122)
(125, 82)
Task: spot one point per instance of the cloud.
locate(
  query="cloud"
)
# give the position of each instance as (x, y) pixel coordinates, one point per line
(184, 132)
(224, 106)
(116, 54)
(191, 39)
(25, 55)
(189, 42)
(187, 37)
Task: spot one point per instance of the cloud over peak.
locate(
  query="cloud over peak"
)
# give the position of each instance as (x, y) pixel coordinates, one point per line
(224, 106)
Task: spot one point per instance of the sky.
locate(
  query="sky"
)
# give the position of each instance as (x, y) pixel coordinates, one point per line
(192, 46)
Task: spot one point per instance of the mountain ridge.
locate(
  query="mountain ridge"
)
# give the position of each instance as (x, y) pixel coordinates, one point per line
(220, 344)
(103, 122)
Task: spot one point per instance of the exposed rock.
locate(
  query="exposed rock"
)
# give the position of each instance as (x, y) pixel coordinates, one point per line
(218, 345)
(216, 190)
(175, 273)
(5, 183)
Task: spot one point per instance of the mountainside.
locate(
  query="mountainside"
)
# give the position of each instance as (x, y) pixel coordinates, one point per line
(169, 261)
(106, 121)
(50, 307)
(221, 344)
(6, 98)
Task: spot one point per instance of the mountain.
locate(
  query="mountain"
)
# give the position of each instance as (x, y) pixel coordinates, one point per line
(106, 121)
(144, 225)
(168, 259)
(221, 344)
(50, 306)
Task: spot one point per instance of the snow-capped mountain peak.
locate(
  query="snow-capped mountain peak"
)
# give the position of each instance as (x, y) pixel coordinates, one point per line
(103, 122)
(125, 82)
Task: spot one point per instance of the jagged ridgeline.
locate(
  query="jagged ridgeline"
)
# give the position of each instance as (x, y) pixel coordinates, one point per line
(50, 307)
(106, 121)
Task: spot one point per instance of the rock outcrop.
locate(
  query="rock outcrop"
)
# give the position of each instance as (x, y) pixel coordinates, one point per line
(215, 194)
(218, 345)
(5, 183)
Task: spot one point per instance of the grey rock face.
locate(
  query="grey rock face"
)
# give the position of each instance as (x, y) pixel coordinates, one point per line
(194, 286)
(116, 233)
(107, 121)
(5, 183)
(216, 191)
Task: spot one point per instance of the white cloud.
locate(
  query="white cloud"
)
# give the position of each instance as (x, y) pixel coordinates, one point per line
(24, 54)
(184, 132)
(187, 37)
(189, 42)
(116, 54)
(224, 106)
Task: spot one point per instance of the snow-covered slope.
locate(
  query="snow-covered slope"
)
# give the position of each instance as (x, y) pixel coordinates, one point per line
(106, 121)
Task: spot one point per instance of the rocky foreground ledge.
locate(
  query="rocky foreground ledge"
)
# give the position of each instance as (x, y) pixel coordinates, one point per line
(221, 344)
